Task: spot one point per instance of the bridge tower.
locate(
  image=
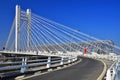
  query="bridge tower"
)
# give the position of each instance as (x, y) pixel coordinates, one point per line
(18, 18)
(17, 27)
(28, 27)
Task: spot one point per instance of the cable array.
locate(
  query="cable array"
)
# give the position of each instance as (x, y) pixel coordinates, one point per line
(49, 36)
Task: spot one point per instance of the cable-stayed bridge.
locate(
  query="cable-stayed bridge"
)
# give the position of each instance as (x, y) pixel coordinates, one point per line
(33, 37)
(31, 32)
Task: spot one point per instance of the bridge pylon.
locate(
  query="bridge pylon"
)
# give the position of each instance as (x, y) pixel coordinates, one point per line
(17, 27)
(18, 17)
(28, 28)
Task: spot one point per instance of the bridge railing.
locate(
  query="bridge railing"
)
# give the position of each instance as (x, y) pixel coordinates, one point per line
(39, 53)
(24, 64)
(102, 56)
(112, 72)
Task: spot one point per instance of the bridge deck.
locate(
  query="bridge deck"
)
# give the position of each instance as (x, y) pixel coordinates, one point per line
(108, 63)
(87, 69)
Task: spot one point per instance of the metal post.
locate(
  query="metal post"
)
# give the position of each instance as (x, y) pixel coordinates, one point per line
(108, 75)
(114, 72)
(24, 63)
(48, 62)
(76, 58)
(73, 59)
(28, 28)
(62, 59)
(69, 60)
(17, 26)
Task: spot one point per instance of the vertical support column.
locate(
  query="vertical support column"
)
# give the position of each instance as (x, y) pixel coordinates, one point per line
(108, 75)
(28, 28)
(114, 71)
(72, 59)
(24, 63)
(76, 58)
(48, 62)
(69, 60)
(17, 26)
(62, 59)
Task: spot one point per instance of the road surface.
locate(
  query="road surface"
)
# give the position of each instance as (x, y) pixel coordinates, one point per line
(87, 69)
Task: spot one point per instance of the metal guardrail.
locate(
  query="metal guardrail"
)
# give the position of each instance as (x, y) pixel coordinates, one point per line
(24, 63)
(101, 56)
(35, 53)
(112, 72)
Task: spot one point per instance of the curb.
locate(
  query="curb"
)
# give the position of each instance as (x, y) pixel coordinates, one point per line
(104, 70)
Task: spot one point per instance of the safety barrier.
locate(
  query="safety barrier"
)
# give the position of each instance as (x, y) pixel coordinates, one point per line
(27, 63)
(102, 56)
(112, 72)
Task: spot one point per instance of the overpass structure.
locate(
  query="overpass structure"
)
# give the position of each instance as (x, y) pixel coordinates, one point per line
(33, 37)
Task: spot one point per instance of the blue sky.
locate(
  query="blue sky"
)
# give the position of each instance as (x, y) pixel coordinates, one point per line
(98, 18)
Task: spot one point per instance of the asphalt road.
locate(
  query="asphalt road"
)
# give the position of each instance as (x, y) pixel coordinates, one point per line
(87, 69)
